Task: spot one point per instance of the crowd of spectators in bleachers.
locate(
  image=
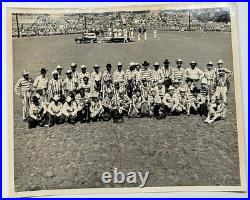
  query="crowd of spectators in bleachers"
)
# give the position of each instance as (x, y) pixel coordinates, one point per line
(42, 25)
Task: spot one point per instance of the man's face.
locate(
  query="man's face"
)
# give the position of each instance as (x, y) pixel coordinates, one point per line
(145, 67)
(43, 74)
(119, 67)
(96, 69)
(138, 93)
(109, 69)
(203, 85)
(82, 93)
(153, 93)
(166, 65)
(73, 68)
(209, 67)
(171, 92)
(59, 71)
(189, 83)
(26, 76)
(160, 85)
(179, 64)
(84, 70)
(85, 81)
(182, 94)
(69, 75)
(117, 85)
(157, 67)
(193, 66)
(55, 76)
(144, 82)
(220, 65)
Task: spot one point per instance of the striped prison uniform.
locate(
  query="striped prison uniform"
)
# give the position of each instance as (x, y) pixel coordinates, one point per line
(23, 88)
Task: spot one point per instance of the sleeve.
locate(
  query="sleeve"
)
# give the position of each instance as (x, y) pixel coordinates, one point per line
(64, 110)
(35, 84)
(201, 73)
(31, 112)
(49, 109)
(17, 87)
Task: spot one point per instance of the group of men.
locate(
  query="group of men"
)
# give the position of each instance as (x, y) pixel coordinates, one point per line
(136, 92)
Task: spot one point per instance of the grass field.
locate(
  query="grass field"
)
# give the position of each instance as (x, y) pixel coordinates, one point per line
(176, 151)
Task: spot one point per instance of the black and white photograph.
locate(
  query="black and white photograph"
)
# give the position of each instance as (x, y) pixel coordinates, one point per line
(137, 97)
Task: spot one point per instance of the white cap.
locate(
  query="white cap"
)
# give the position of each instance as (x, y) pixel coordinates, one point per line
(73, 64)
(220, 61)
(68, 71)
(131, 64)
(54, 72)
(96, 66)
(210, 63)
(119, 64)
(179, 60)
(83, 66)
(156, 64)
(25, 72)
(59, 67)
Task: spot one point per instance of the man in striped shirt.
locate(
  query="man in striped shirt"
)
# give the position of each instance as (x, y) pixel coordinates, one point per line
(83, 74)
(145, 71)
(41, 82)
(74, 71)
(59, 69)
(23, 88)
(96, 74)
(55, 86)
(178, 72)
(70, 83)
(107, 74)
(167, 73)
(119, 76)
(156, 74)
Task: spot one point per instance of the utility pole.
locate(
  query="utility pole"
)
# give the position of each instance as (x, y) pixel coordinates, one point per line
(189, 21)
(85, 22)
(17, 24)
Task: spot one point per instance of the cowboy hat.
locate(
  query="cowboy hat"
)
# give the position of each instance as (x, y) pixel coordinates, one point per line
(220, 61)
(83, 67)
(179, 61)
(25, 72)
(96, 66)
(210, 63)
(59, 67)
(156, 64)
(68, 71)
(166, 61)
(193, 63)
(108, 65)
(119, 64)
(54, 72)
(73, 65)
(145, 63)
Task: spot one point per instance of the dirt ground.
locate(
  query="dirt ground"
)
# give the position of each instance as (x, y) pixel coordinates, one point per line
(177, 151)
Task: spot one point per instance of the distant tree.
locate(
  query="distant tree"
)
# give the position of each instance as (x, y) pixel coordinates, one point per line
(222, 16)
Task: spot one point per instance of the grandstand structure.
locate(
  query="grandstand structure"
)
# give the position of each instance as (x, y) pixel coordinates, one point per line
(170, 20)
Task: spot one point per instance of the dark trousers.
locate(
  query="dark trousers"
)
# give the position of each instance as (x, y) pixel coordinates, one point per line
(84, 115)
(33, 123)
(53, 119)
(167, 83)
